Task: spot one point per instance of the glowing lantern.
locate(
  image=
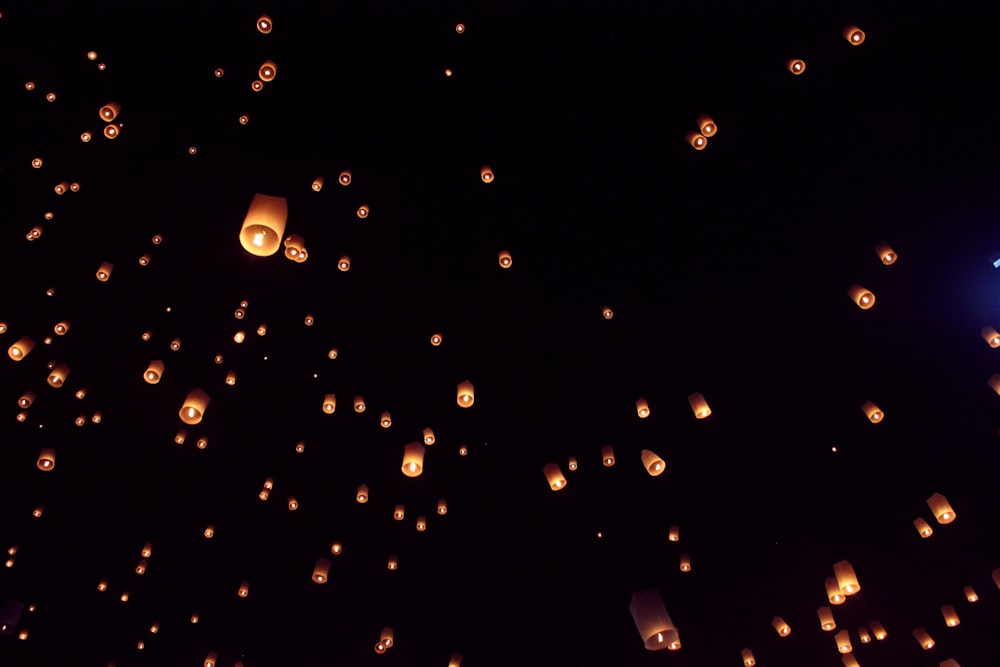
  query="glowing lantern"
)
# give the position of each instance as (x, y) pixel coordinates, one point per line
(362, 496)
(994, 382)
(293, 504)
(486, 173)
(257, 85)
(652, 620)
(336, 548)
(102, 586)
(81, 420)
(363, 211)
(58, 375)
(50, 97)
(386, 419)
(300, 447)
(864, 636)
(239, 336)
(849, 660)
(572, 464)
(846, 579)
(27, 398)
(699, 405)
(211, 659)
(209, 531)
(144, 260)
(428, 436)
(460, 28)
(329, 403)
(180, 437)
(344, 178)
(854, 35)
(940, 508)
(86, 137)
(321, 571)
(826, 619)
(96, 418)
(344, 263)
(267, 71)
(399, 513)
(421, 524)
(21, 416)
(219, 72)
(779, 625)
(153, 372)
(706, 125)
(264, 24)
(653, 463)
(104, 271)
(685, 563)
(194, 619)
(878, 630)
(35, 233)
(970, 594)
(872, 412)
(264, 225)
(607, 313)
(923, 527)
(123, 597)
(885, 253)
(194, 407)
(608, 456)
(413, 459)
(505, 259)
(21, 348)
(950, 662)
(332, 353)
(861, 296)
(466, 395)
(244, 119)
(36, 163)
(37, 512)
(141, 567)
(642, 408)
(996, 577)
(950, 616)
(231, 378)
(464, 451)
(554, 476)
(393, 563)
(991, 336)
(309, 320)
(697, 140)
(674, 534)
(244, 589)
(748, 659)
(442, 507)
(111, 131)
(317, 184)
(147, 550)
(110, 111)
(796, 66)
(436, 339)
(61, 188)
(833, 592)
(923, 639)
(843, 640)
(359, 403)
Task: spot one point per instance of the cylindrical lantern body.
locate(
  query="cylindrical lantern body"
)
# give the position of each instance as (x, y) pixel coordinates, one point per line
(264, 225)
(826, 619)
(878, 630)
(456, 660)
(466, 395)
(428, 436)
(651, 619)
(748, 659)
(923, 527)
(46, 459)
(843, 639)
(329, 403)
(833, 592)
(991, 336)
(194, 407)
(504, 259)
(267, 71)
(104, 271)
(27, 398)
(154, 371)
(61, 328)
(854, 35)
(20, 349)
(642, 408)
(970, 594)
(211, 659)
(362, 496)
(885, 253)
(399, 513)
(923, 638)
(849, 660)
(442, 508)
(359, 403)
(413, 459)
(608, 456)
(653, 463)
(321, 571)
(796, 66)
(554, 476)
(697, 140)
(386, 419)
(572, 464)
(244, 589)
(386, 637)
(110, 111)
(779, 625)
(685, 563)
(864, 636)
(941, 509)
(846, 579)
(861, 296)
(674, 534)
(486, 173)
(699, 405)
(950, 616)
(58, 375)
(872, 411)
(707, 126)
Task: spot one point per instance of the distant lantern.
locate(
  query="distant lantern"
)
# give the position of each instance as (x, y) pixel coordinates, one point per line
(861, 296)
(50, 97)
(393, 562)
(29, 85)
(652, 620)
(111, 131)
(300, 446)
(843, 639)
(336, 548)
(362, 496)
(642, 408)
(244, 119)
(923, 527)
(267, 71)
(363, 211)
(413, 459)
(36, 162)
(329, 403)
(175, 344)
(293, 504)
(923, 638)
(239, 336)
(309, 320)
(344, 263)
(826, 619)
(332, 353)
(991, 336)
(466, 395)
(359, 403)
(321, 571)
(872, 411)
(147, 550)
(833, 592)
(22, 416)
(428, 436)
(464, 451)
(846, 579)
(317, 184)
(707, 126)
(554, 476)
(20, 349)
(699, 405)
(385, 420)
(244, 589)
(399, 513)
(940, 508)
(994, 382)
(154, 371)
(674, 534)
(849, 660)
(38, 511)
(607, 313)
(141, 567)
(46, 459)
(950, 616)
(26, 399)
(697, 140)
(421, 524)
(180, 437)
(504, 259)
(796, 66)
(35, 233)
(262, 330)
(96, 418)
(455, 661)
(685, 563)
(486, 173)
(192, 150)
(194, 407)
(74, 187)
(459, 28)
(436, 339)
(110, 111)
(209, 531)
(144, 260)
(608, 456)
(264, 24)
(157, 239)
(572, 464)
(885, 253)
(264, 225)
(256, 85)
(61, 328)
(854, 35)
(653, 463)
(211, 659)
(104, 271)
(878, 630)
(970, 594)
(58, 375)
(779, 625)
(442, 507)
(748, 659)
(219, 72)
(863, 635)
(102, 586)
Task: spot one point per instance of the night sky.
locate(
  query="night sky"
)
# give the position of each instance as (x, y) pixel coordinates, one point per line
(727, 271)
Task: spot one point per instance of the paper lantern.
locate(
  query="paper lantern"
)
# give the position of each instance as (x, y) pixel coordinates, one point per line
(257, 85)
(846, 579)
(231, 378)
(344, 178)
(21, 348)
(442, 507)
(833, 592)
(102, 586)
(194, 619)
(399, 513)
(154, 628)
(392, 563)
(61, 188)
(707, 126)
(994, 382)
(317, 184)
(194, 407)
(923, 638)
(332, 353)
(486, 173)
(572, 464)
(336, 548)
(111, 131)
(878, 630)
(854, 35)
(175, 344)
(140, 569)
(950, 616)
(652, 620)
(843, 639)
(264, 24)
(262, 330)
(58, 375)
(421, 524)
(826, 619)
(293, 504)
(359, 403)
(950, 662)
(466, 395)
(239, 336)
(104, 271)
(748, 659)
(991, 336)
(923, 527)
(264, 225)
(674, 534)
(608, 456)
(970, 594)
(849, 660)
(180, 437)
(940, 508)
(386, 637)
(653, 463)
(554, 476)
(244, 589)
(321, 571)
(363, 211)
(211, 659)
(110, 111)
(147, 550)
(145, 259)
(26, 399)
(796, 66)
(34, 233)
(300, 447)
(268, 70)
(436, 339)
(428, 436)
(685, 563)
(38, 511)
(460, 28)
(504, 259)
(642, 408)
(885, 253)
(864, 636)
(996, 577)
(607, 313)
(779, 625)
(96, 418)
(309, 320)
(697, 140)
(385, 420)
(861, 296)
(344, 263)
(330, 403)
(154, 371)
(22, 416)
(362, 496)
(413, 459)
(699, 406)
(872, 412)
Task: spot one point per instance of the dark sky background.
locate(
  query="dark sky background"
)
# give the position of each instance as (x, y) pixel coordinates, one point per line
(727, 270)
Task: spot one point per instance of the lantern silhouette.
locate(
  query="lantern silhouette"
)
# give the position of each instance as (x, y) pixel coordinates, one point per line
(421, 524)
(554, 476)
(863, 635)
(503, 257)
(20, 349)
(653, 463)
(321, 571)
(779, 625)
(385, 420)
(58, 375)
(359, 403)
(35, 233)
(950, 616)
(970, 594)
(923, 639)
(46, 460)
(194, 407)
(685, 563)
(642, 408)
(878, 630)
(428, 436)
(872, 412)
(145, 259)
(843, 639)
(104, 271)
(748, 659)
(268, 70)
(854, 35)
(796, 66)
(442, 507)
(699, 406)
(264, 24)
(362, 496)
(885, 253)
(264, 225)
(991, 336)
(833, 592)
(697, 140)
(826, 619)
(608, 456)
(923, 527)
(486, 173)
(674, 534)
(466, 395)
(572, 464)
(413, 459)
(652, 620)
(846, 579)
(154, 371)
(940, 508)
(862, 297)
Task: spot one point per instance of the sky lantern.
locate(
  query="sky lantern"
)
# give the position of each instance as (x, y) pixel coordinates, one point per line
(344, 263)
(264, 225)
(872, 412)
(607, 313)
(486, 173)
(699, 405)
(849, 660)
(436, 339)
(110, 111)
(392, 563)
(707, 126)
(833, 592)
(863, 635)
(46, 460)
(329, 403)
(642, 408)
(180, 437)
(359, 403)
(571, 463)
(846, 579)
(466, 394)
(950, 616)
(796, 66)
(317, 184)
(110, 131)
(363, 211)
(264, 24)
(652, 620)
(26, 399)
(697, 140)
(104, 271)
(147, 550)
(941, 509)
(923, 638)
(748, 659)
(345, 177)
(685, 563)
(244, 589)
(779, 625)
(385, 420)
(674, 534)
(459, 28)
(421, 524)
(994, 382)
(58, 375)
(362, 496)
(428, 434)
(878, 630)
(923, 527)
(268, 70)
(209, 532)
(554, 476)
(854, 35)
(996, 577)
(194, 407)
(154, 371)
(321, 571)
(885, 253)
(413, 459)
(970, 594)
(504, 259)
(843, 639)
(211, 659)
(862, 297)
(20, 349)
(608, 456)
(653, 463)
(826, 619)
(293, 504)
(336, 548)
(991, 336)
(442, 507)
(399, 513)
